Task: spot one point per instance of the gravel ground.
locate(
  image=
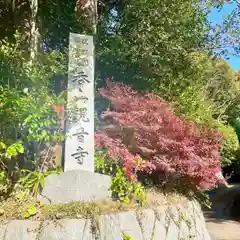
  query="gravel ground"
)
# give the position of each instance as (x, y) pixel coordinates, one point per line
(221, 225)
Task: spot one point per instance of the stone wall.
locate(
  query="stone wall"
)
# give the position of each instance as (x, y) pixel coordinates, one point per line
(178, 222)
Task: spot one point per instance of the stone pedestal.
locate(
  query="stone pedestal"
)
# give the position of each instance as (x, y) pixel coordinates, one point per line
(76, 185)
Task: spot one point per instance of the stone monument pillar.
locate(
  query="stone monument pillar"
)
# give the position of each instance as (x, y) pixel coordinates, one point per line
(79, 146)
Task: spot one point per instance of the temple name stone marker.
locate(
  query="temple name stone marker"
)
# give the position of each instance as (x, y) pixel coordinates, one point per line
(79, 146)
(78, 182)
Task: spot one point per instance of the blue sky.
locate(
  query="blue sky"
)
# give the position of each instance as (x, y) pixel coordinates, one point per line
(217, 17)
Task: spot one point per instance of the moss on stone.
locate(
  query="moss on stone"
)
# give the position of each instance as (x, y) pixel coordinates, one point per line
(13, 209)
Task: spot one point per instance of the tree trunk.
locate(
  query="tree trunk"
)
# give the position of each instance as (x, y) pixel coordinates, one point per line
(34, 38)
(87, 10)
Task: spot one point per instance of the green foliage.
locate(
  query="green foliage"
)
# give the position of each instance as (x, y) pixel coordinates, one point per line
(26, 112)
(126, 236)
(156, 45)
(222, 88)
(192, 104)
(31, 210)
(236, 124)
(18, 72)
(12, 150)
(27, 115)
(203, 198)
(153, 42)
(122, 188)
(125, 190)
(164, 48)
(230, 144)
(104, 164)
(33, 182)
(4, 183)
(213, 101)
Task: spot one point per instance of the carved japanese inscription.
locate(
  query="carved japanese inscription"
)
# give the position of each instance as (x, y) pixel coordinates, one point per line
(79, 146)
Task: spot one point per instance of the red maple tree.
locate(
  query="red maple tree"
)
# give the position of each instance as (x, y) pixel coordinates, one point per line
(143, 124)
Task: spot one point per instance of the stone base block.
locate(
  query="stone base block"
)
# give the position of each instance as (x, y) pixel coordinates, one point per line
(76, 185)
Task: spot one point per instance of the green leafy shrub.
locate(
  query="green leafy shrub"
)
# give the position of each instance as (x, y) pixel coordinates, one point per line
(104, 164)
(33, 182)
(192, 104)
(27, 114)
(125, 190)
(230, 144)
(122, 187)
(236, 125)
(13, 149)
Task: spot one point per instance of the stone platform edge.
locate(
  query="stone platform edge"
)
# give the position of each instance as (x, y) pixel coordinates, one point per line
(172, 222)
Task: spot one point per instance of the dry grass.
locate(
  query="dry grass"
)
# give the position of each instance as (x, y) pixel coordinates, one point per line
(12, 209)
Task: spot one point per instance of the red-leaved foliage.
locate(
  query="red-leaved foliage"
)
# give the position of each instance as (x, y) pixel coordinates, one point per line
(143, 124)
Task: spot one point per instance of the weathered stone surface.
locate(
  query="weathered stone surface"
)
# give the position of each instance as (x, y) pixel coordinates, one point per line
(184, 231)
(160, 231)
(201, 227)
(3, 228)
(206, 235)
(173, 213)
(172, 232)
(79, 147)
(21, 230)
(110, 227)
(76, 185)
(147, 219)
(167, 223)
(160, 214)
(192, 231)
(128, 223)
(72, 229)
